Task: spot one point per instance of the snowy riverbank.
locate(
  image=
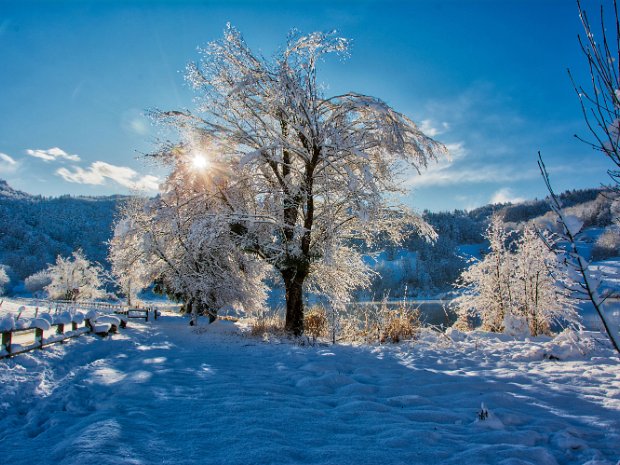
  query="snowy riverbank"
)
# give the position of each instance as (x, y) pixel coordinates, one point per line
(162, 393)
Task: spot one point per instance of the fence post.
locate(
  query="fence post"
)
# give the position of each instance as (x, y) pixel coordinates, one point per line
(6, 341)
(38, 336)
(147, 314)
(155, 313)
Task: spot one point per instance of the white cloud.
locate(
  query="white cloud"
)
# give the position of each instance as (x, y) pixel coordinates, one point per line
(430, 129)
(447, 174)
(457, 150)
(7, 163)
(505, 195)
(455, 171)
(99, 171)
(7, 159)
(52, 154)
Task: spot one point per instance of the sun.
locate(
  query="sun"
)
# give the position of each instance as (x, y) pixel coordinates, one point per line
(199, 162)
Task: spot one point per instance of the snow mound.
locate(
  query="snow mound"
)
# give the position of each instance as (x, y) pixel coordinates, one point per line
(456, 335)
(101, 328)
(487, 419)
(22, 324)
(516, 326)
(90, 315)
(108, 319)
(7, 323)
(63, 318)
(224, 328)
(41, 323)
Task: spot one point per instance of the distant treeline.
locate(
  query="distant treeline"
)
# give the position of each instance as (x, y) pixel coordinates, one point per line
(422, 269)
(35, 229)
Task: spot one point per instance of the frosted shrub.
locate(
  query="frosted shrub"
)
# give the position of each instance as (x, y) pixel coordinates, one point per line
(267, 324)
(37, 282)
(607, 245)
(520, 282)
(74, 278)
(4, 279)
(402, 324)
(315, 323)
(379, 323)
(487, 283)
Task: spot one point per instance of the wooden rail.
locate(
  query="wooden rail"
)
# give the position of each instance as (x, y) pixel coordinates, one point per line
(119, 309)
(139, 313)
(86, 304)
(60, 332)
(39, 341)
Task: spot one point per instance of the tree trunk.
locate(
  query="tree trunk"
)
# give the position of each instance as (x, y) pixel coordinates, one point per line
(293, 283)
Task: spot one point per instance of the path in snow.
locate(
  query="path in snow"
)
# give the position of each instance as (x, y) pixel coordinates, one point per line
(160, 394)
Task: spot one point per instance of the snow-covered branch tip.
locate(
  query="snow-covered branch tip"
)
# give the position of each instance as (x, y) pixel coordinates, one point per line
(570, 228)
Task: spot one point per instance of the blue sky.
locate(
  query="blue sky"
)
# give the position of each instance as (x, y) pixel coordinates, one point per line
(488, 78)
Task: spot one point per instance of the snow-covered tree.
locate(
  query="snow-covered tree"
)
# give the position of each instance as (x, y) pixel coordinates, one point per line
(487, 283)
(520, 282)
(36, 282)
(127, 255)
(74, 278)
(608, 244)
(541, 289)
(4, 279)
(296, 174)
(178, 241)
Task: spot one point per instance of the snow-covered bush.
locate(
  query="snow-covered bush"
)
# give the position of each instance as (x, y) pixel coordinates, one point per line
(486, 284)
(380, 323)
(4, 279)
(178, 241)
(608, 244)
(315, 323)
(37, 282)
(401, 324)
(519, 284)
(74, 278)
(541, 289)
(267, 324)
(128, 258)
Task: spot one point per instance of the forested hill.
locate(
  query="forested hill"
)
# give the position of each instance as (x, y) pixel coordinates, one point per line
(423, 269)
(35, 229)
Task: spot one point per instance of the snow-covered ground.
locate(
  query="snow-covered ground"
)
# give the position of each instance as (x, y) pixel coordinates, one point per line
(163, 393)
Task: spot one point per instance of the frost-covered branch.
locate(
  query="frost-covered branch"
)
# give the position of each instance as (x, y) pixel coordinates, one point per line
(570, 228)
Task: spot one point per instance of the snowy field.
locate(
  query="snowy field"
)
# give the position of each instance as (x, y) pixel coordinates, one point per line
(162, 393)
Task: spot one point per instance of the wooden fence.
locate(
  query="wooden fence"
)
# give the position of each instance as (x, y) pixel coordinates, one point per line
(119, 309)
(20, 340)
(139, 313)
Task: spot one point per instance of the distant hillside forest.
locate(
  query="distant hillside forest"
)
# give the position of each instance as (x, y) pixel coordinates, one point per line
(420, 269)
(35, 229)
